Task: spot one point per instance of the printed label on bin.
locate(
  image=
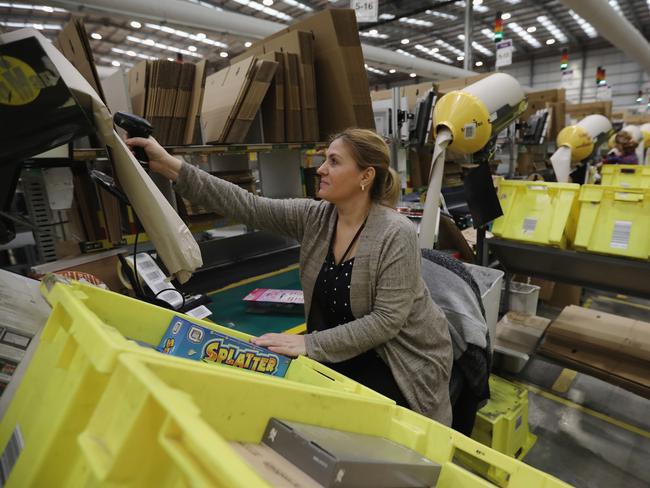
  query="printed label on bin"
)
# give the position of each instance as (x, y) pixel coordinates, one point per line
(621, 234)
(191, 341)
(470, 131)
(530, 224)
(10, 455)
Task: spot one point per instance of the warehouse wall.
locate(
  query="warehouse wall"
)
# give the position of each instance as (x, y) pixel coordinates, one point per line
(624, 76)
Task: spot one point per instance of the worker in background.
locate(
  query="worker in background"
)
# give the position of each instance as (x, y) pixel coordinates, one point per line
(623, 151)
(369, 314)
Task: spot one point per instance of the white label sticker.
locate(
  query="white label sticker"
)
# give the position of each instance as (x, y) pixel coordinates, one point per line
(199, 312)
(530, 224)
(621, 234)
(470, 131)
(10, 455)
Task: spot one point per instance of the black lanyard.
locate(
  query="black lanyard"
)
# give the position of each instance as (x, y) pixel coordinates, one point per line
(354, 239)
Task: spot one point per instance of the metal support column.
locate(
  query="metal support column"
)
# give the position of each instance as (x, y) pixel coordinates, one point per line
(469, 28)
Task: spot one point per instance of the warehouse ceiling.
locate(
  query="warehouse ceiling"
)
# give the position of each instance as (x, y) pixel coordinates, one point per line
(431, 30)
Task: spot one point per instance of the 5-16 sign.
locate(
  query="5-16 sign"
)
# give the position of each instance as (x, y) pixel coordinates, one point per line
(504, 53)
(366, 10)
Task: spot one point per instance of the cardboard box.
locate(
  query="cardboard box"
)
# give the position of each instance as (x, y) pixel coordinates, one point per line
(446, 86)
(342, 81)
(292, 117)
(345, 459)
(521, 332)
(252, 101)
(299, 43)
(273, 103)
(613, 348)
(579, 111)
(564, 295)
(224, 93)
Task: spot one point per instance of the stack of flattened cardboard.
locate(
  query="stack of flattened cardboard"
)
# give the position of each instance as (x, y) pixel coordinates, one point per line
(342, 95)
(73, 44)
(232, 98)
(161, 92)
(192, 133)
(613, 348)
(273, 105)
(299, 45)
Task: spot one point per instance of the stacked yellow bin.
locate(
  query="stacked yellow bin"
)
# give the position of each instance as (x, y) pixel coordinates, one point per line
(539, 213)
(614, 220)
(626, 175)
(503, 425)
(96, 409)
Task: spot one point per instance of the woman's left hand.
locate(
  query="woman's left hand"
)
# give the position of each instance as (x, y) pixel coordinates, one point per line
(287, 344)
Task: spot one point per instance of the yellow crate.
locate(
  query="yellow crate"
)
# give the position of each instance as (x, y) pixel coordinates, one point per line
(626, 175)
(79, 350)
(614, 220)
(537, 212)
(502, 424)
(165, 423)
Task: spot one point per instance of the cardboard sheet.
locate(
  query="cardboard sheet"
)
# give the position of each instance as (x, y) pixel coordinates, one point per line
(252, 101)
(224, 93)
(192, 134)
(273, 103)
(520, 332)
(171, 237)
(341, 78)
(292, 121)
(613, 348)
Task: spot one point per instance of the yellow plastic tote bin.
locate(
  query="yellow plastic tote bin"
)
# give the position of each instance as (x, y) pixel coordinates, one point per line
(626, 175)
(502, 424)
(614, 220)
(162, 423)
(79, 350)
(537, 212)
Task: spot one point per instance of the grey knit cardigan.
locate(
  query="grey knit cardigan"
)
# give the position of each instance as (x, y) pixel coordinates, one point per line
(394, 313)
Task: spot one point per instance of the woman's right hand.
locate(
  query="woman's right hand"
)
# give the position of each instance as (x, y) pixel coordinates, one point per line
(160, 161)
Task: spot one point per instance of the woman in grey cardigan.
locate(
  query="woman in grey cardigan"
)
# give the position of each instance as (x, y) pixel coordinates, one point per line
(369, 314)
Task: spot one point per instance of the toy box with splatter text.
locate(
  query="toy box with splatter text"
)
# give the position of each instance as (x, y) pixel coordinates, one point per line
(188, 340)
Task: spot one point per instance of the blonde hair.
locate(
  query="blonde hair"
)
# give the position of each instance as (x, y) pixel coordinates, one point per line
(370, 150)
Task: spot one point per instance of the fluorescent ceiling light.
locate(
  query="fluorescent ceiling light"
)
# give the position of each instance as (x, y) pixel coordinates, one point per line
(96, 35)
(479, 47)
(433, 53)
(584, 25)
(135, 24)
(443, 15)
(267, 10)
(187, 35)
(404, 41)
(418, 22)
(412, 75)
(531, 29)
(478, 7)
(448, 46)
(550, 42)
(299, 5)
(374, 34)
(392, 70)
(22, 25)
(478, 63)
(506, 16)
(404, 53)
(248, 44)
(159, 45)
(115, 63)
(26, 6)
(552, 28)
(386, 16)
(524, 35)
(375, 70)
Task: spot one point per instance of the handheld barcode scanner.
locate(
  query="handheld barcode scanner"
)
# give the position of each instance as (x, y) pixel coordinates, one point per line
(134, 126)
